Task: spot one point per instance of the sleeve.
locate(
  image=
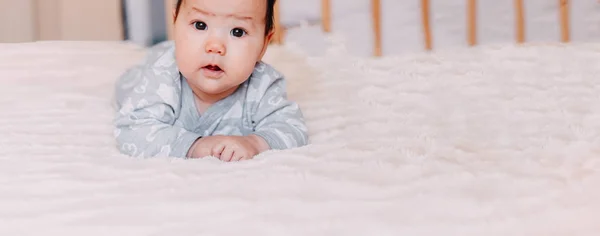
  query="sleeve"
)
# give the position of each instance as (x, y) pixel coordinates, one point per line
(148, 103)
(280, 121)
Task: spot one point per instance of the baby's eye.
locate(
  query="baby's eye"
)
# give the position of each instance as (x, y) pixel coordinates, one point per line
(199, 25)
(237, 32)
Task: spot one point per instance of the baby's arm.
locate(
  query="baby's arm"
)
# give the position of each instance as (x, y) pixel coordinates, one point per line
(278, 124)
(277, 120)
(148, 103)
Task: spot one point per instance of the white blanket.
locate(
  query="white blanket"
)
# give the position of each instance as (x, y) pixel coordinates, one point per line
(500, 140)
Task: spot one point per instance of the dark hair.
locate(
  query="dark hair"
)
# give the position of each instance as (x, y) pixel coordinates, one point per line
(269, 17)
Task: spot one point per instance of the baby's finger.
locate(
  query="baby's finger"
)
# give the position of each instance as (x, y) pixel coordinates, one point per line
(227, 154)
(217, 150)
(238, 156)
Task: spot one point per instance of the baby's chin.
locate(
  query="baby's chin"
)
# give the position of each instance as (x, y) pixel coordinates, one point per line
(214, 86)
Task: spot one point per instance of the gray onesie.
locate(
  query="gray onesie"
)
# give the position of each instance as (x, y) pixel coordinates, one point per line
(156, 113)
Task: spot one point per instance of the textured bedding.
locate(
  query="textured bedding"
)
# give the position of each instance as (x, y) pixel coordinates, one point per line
(495, 140)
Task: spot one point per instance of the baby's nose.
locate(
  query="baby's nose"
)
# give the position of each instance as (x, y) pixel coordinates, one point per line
(215, 47)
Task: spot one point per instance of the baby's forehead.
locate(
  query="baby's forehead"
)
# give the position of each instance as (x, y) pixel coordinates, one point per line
(256, 9)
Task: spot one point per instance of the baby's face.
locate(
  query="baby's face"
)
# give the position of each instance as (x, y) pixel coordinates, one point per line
(218, 42)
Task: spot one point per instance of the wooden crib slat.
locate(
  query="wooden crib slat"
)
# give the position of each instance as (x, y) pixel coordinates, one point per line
(169, 6)
(472, 22)
(278, 30)
(376, 14)
(564, 20)
(426, 24)
(326, 15)
(520, 21)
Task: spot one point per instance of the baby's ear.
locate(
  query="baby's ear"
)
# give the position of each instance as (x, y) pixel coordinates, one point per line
(270, 36)
(268, 39)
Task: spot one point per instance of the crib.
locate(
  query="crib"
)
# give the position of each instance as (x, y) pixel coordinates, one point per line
(471, 24)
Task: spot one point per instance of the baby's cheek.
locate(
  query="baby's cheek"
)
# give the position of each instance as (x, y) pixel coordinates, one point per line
(247, 49)
(244, 66)
(188, 59)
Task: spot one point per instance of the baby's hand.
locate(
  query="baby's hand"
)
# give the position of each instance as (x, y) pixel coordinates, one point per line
(228, 148)
(235, 148)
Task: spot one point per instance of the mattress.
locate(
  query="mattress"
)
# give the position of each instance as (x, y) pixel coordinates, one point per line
(492, 140)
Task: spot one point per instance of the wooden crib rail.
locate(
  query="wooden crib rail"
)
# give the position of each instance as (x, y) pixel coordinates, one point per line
(564, 20)
(376, 8)
(471, 24)
(425, 15)
(278, 30)
(519, 21)
(326, 15)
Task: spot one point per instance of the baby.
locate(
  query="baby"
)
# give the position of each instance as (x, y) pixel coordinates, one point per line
(208, 93)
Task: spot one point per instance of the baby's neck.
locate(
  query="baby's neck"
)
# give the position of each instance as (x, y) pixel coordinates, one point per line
(204, 100)
(201, 106)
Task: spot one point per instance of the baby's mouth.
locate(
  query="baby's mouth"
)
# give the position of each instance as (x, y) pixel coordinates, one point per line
(214, 68)
(212, 71)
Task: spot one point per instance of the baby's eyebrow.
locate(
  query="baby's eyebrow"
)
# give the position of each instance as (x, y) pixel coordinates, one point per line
(243, 18)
